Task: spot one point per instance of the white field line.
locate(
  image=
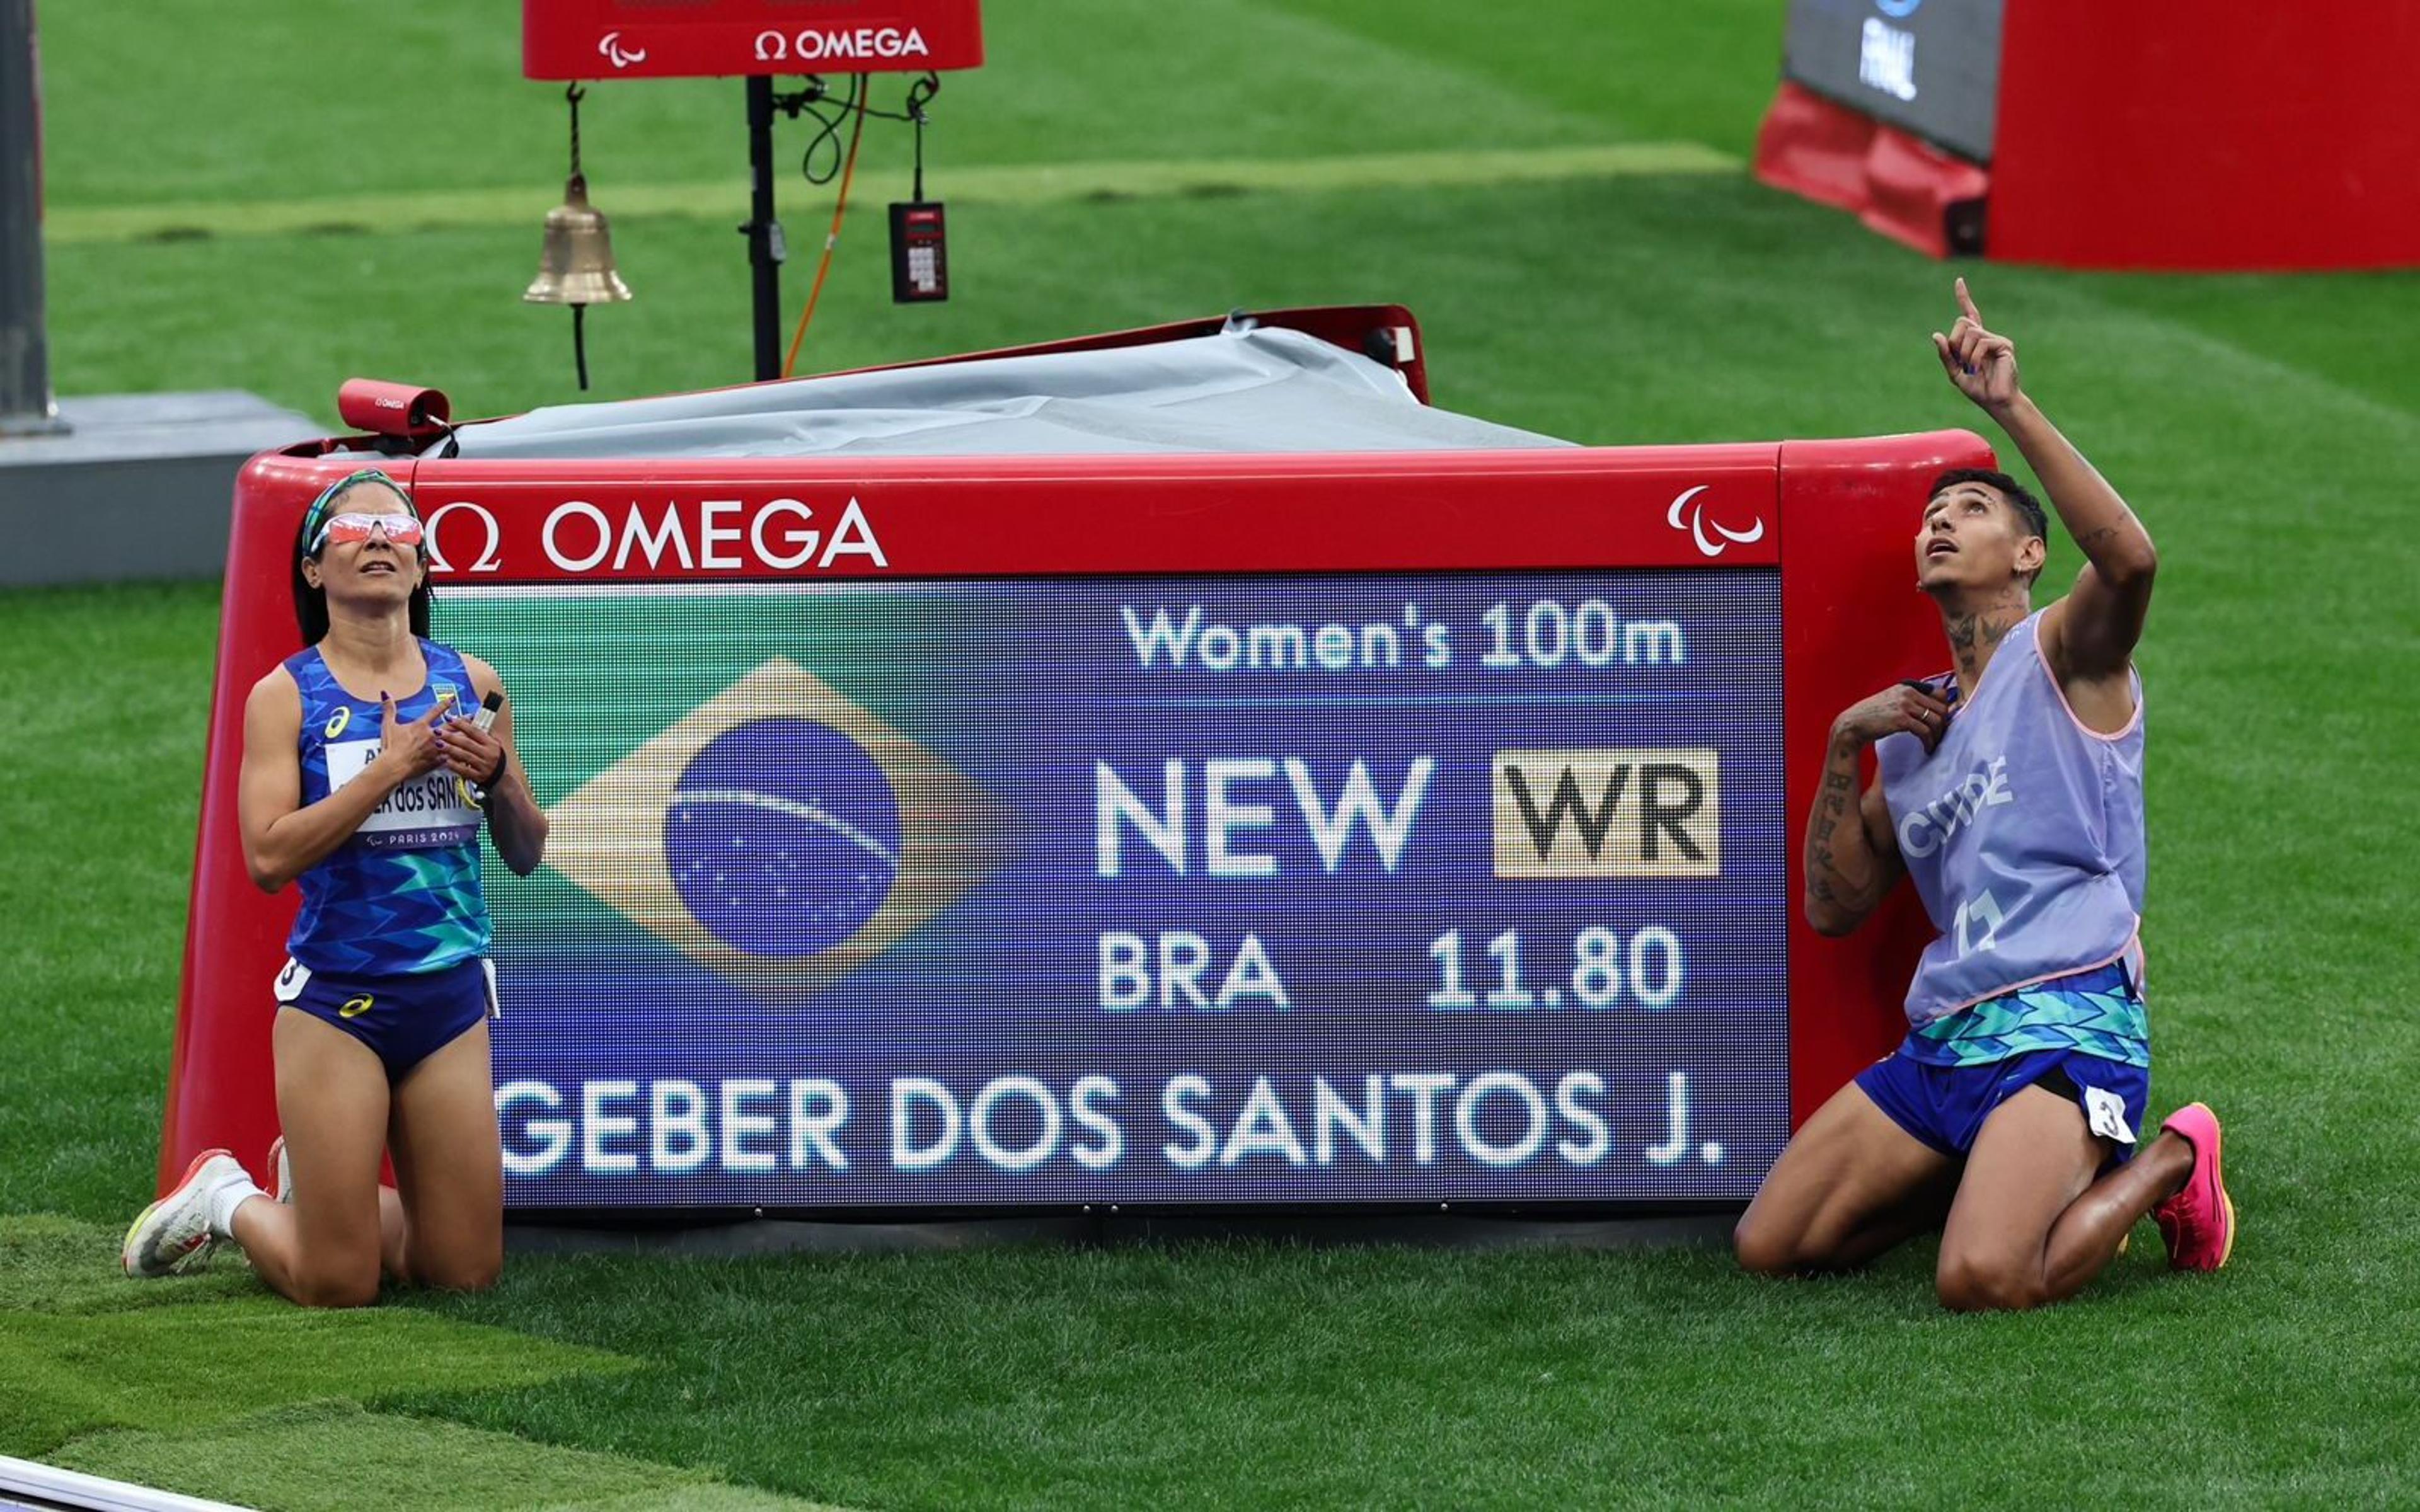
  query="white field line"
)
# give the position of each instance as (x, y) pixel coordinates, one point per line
(50, 1485)
(1025, 184)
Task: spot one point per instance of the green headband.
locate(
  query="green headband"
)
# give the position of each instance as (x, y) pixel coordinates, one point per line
(317, 513)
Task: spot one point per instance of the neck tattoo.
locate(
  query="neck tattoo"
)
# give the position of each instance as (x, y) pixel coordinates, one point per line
(1975, 635)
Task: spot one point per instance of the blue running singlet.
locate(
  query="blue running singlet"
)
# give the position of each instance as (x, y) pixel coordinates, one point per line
(402, 894)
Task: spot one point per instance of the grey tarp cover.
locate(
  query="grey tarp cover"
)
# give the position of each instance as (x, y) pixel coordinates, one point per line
(1264, 390)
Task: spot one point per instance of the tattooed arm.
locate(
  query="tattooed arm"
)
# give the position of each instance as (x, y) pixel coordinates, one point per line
(1852, 859)
(2088, 637)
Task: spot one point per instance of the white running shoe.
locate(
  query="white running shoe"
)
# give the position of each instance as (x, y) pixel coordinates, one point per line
(281, 1174)
(174, 1233)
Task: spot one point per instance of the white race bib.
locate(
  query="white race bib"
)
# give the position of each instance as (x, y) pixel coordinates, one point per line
(432, 809)
(292, 980)
(2106, 1111)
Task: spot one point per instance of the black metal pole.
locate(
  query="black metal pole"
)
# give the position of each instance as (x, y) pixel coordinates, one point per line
(25, 406)
(764, 249)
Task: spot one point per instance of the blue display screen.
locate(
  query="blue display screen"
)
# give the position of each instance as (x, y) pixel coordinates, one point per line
(1268, 889)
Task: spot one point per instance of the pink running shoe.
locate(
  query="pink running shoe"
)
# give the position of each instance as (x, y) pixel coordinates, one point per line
(174, 1233)
(2199, 1223)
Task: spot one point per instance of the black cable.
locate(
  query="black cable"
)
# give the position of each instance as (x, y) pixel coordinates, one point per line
(827, 127)
(805, 102)
(919, 95)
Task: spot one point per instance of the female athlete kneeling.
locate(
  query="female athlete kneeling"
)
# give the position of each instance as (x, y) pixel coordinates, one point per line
(373, 802)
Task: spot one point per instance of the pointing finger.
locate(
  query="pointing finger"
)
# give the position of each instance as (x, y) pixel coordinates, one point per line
(1966, 303)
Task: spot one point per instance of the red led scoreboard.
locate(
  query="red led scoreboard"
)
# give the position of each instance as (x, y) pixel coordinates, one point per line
(961, 834)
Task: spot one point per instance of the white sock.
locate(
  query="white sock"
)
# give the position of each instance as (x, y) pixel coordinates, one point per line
(232, 1194)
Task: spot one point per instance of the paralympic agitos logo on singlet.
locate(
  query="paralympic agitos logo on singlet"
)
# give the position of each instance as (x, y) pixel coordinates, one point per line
(778, 834)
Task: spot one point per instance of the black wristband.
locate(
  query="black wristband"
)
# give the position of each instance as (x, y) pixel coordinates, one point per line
(504, 760)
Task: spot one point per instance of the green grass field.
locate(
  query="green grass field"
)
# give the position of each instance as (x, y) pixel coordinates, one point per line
(1125, 163)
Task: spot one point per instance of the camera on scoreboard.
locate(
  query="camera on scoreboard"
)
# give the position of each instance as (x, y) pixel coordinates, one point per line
(402, 409)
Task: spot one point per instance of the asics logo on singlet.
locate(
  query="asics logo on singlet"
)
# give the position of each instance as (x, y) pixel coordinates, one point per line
(1928, 828)
(336, 722)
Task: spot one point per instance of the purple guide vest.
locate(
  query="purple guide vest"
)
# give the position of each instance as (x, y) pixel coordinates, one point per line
(2024, 833)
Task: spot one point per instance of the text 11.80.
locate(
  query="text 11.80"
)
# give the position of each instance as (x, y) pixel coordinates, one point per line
(1646, 969)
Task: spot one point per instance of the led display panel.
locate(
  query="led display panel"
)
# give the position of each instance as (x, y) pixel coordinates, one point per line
(1928, 66)
(1256, 889)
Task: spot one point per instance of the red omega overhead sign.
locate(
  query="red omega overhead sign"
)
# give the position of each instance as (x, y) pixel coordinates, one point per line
(688, 38)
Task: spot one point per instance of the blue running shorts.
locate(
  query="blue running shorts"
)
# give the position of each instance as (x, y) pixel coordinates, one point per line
(1944, 1106)
(404, 1018)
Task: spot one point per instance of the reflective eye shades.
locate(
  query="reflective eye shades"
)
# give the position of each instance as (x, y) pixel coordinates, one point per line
(400, 530)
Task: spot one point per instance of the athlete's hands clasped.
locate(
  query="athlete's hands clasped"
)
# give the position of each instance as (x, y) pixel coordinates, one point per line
(473, 754)
(440, 737)
(408, 747)
(1902, 707)
(1983, 366)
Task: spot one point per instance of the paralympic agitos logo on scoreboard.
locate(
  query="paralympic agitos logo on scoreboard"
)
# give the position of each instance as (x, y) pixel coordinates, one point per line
(778, 834)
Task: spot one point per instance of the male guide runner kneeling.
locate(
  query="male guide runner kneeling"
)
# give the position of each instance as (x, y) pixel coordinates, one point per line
(2014, 801)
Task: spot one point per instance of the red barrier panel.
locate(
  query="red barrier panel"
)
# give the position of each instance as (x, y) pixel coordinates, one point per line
(2229, 136)
(2234, 135)
(1898, 185)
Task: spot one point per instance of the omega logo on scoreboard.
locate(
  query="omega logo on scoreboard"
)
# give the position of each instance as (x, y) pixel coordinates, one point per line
(581, 537)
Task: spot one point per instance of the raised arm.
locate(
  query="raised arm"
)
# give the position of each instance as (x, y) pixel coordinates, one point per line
(2088, 637)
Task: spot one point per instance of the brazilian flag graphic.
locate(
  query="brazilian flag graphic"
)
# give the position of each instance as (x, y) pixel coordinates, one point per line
(779, 833)
(709, 795)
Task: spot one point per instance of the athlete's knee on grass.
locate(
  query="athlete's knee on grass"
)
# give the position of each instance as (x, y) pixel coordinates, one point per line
(1765, 1247)
(464, 1278)
(1969, 1283)
(474, 1272)
(1761, 1248)
(349, 1286)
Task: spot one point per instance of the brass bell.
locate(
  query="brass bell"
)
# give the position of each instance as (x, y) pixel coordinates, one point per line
(577, 265)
